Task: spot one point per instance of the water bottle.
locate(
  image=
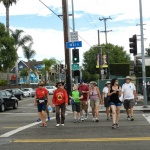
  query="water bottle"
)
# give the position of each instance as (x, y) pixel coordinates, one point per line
(49, 108)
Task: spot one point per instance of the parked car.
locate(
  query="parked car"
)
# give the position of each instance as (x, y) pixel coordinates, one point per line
(51, 89)
(30, 91)
(7, 100)
(17, 93)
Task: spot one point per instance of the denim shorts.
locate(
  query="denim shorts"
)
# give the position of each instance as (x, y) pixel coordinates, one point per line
(116, 104)
(41, 107)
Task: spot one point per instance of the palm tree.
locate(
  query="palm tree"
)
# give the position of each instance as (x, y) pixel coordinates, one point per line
(7, 4)
(48, 64)
(28, 54)
(19, 42)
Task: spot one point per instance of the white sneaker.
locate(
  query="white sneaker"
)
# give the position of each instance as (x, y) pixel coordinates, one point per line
(57, 125)
(63, 125)
(93, 119)
(82, 119)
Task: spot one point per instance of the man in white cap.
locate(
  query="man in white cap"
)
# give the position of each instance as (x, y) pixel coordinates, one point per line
(129, 95)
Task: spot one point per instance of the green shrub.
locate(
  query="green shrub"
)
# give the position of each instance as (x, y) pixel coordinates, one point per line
(3, 82)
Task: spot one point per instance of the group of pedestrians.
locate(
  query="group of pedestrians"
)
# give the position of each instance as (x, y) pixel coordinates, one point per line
(85, 96)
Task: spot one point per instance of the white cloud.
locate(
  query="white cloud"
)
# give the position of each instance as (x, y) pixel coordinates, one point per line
(49, 43)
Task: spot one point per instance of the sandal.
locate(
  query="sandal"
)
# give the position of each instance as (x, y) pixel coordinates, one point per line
(44, 125)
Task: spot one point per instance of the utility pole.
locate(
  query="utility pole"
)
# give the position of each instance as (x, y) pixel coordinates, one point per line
(106, 31)
(143, 57)
(100, 56)
(66, 39)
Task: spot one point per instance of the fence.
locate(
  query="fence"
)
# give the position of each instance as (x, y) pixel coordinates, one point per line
(137, 81)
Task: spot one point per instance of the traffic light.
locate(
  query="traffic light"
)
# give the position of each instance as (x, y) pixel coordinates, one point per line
(75, 55)
(133, 45)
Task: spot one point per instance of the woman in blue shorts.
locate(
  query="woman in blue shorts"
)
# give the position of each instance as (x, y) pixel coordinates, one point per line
(115, 103)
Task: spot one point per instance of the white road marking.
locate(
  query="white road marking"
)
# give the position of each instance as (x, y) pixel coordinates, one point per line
(8, 134)
(147, 118)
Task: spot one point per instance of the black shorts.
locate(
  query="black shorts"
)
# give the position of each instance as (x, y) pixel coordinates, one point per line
(106, 102)
(76, 107)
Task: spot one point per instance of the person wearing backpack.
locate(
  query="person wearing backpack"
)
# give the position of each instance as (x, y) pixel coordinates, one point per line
(60, 100)
(106, 99)
(75, 96)
(129, 95)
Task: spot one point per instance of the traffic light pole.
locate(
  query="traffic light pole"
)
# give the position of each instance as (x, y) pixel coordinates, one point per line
(143, 57)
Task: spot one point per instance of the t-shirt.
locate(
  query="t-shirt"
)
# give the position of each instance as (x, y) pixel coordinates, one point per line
(41, 93)
(105, 91)
(76, 95)
(84, 88)
(128, 89)
(60, 96)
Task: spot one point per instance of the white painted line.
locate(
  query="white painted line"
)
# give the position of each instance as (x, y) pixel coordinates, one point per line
(8, 134)
(147, 118)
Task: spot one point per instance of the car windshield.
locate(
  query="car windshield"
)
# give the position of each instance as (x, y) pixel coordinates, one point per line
(49, 87)
(0, 94)
(25, 89)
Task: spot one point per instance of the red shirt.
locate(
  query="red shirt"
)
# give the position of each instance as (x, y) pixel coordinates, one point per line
(41, 92)
(60, 96)
(84, 88)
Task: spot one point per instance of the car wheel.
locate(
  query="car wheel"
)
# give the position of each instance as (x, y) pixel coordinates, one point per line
(2, 108)
(20, 97)
(15, 105)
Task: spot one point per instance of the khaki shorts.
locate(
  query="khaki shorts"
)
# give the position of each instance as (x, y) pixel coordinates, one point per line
(83, 105)
(128, 103)
(94, 103)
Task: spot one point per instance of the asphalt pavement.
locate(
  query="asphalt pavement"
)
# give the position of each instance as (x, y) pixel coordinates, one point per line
(19, 130)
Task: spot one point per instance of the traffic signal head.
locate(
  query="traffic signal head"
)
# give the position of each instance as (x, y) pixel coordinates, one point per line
(75, 55)
(133, 45)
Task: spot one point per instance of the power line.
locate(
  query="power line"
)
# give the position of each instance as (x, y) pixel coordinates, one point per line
(62, 20)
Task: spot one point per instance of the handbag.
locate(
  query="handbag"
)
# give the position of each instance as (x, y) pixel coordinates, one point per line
(121, 97)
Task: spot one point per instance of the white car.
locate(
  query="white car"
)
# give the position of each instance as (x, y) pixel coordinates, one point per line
(51, 89)
(29, 91)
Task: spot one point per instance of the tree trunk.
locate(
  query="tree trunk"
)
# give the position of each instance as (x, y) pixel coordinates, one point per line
(28, 72)
(16, 69)
(7, 28)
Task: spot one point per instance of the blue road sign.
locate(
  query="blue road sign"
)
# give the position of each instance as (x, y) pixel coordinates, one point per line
(73, 44)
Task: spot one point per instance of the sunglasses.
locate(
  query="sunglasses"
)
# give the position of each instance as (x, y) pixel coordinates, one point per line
(40, 85)
(59, 85)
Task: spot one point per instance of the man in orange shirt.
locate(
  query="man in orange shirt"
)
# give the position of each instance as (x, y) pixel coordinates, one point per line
(42, 100)
(60, 100)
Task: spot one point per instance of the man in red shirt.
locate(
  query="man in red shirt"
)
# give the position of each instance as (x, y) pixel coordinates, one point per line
(60, 100)
(84, 89)
(42, 100)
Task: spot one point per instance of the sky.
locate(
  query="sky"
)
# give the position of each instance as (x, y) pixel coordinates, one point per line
(47, 29)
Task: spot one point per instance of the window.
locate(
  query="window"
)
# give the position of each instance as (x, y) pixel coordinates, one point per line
(3, 94)
(8, 93)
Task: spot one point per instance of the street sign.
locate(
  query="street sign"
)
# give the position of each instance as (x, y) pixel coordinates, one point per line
(75, 66)
(74, 36)
(74, 44)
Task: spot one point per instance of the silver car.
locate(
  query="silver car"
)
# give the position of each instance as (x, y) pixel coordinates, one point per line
(51, 89)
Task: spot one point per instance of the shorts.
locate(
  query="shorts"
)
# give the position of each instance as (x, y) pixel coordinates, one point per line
(41, 107)
(94, 103)
(116, 104)
(106, 102)
(83, 105)
(76, 107)
(128, 103)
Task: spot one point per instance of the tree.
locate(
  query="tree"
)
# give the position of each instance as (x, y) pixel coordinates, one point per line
(28, 54)
(116, 55)
(24, 73)
(8, 54)
(48, 64)
(19, 42)
(7, 4)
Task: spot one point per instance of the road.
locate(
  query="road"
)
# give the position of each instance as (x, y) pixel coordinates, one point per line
(19, 130)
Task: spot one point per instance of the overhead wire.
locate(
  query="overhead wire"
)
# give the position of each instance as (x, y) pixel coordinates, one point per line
(62, 20)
